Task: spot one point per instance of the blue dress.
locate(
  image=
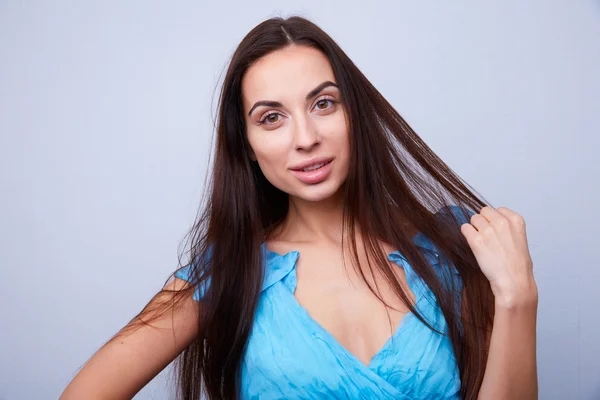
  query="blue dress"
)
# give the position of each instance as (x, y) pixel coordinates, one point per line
(291, 356)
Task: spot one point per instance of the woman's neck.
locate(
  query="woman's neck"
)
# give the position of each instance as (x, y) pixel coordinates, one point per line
(319, 222)
(310, 221)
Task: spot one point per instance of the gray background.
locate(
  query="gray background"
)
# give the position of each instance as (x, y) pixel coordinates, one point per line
(106, 119)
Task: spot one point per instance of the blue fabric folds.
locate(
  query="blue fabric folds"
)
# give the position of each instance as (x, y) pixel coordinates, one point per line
(290, 356)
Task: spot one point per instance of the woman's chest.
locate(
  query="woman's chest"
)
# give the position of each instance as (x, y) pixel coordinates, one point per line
(334, 293)
(289, 357)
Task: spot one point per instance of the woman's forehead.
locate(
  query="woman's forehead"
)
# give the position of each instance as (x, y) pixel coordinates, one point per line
(286, 74)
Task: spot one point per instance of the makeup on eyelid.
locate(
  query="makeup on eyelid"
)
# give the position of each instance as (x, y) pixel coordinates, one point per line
(263, 118)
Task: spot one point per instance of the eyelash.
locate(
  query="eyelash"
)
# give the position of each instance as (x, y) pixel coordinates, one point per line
(262, 121)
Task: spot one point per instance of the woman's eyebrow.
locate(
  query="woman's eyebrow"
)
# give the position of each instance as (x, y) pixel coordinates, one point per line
(310, 95)
(317, 90)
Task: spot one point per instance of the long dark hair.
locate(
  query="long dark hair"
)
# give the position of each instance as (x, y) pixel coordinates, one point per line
(391, 169)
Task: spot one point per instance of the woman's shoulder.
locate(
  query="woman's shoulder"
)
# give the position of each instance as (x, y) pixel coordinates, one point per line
(277, 263)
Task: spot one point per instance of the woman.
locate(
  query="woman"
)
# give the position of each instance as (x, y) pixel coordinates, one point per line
(313, 167)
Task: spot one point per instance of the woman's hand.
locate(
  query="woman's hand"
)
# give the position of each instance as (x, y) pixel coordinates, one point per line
(498, 240)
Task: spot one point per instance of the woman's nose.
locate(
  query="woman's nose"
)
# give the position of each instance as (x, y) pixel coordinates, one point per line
(306, 134)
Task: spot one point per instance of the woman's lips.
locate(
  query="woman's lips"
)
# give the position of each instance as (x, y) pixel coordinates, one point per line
(314, 176)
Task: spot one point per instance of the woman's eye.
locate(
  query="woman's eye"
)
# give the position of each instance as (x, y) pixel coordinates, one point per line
(269, 120)
(274, 117)
(322, 104)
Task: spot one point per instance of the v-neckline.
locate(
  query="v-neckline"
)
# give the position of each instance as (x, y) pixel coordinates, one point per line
(406, 319)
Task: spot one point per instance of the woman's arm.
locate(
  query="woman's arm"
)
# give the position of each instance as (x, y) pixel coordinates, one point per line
(498, 239)
(511, 370)
(124, 365)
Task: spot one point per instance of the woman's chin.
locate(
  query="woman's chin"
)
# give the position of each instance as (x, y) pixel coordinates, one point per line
(317, 193)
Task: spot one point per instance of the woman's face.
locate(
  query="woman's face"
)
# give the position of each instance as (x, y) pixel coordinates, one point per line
(294, 116)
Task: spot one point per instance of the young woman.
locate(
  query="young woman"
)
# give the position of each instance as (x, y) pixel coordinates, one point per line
(314, 168)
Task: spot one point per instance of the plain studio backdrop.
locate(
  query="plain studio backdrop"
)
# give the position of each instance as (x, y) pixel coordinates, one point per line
(106, 119)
